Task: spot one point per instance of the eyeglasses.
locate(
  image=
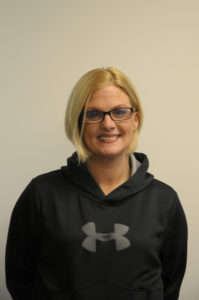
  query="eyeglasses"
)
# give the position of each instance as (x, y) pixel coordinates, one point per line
(117, 115)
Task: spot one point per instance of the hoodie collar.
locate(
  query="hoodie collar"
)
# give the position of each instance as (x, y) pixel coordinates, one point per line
(86, 184)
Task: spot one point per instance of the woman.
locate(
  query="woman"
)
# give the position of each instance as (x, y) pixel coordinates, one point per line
(101, 227)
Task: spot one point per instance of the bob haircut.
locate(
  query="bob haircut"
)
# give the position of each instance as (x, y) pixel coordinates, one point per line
(80, 96)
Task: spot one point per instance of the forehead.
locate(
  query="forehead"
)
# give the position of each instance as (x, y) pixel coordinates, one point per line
(108, 98)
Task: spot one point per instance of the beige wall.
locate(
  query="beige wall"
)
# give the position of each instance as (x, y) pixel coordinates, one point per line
(46, 45)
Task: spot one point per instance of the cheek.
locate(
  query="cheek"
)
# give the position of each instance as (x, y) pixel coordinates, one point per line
(131, 133)
(85, 135)
(88, 133)
(128, 129)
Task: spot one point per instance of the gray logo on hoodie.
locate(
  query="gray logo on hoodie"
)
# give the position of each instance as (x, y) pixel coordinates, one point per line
(120, 230)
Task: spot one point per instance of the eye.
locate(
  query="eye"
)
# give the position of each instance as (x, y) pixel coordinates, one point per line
(120, 112)
(93, 114)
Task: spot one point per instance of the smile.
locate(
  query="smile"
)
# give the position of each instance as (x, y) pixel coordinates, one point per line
(109, 138)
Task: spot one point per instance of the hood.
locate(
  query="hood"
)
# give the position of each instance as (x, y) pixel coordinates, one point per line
(86, 184)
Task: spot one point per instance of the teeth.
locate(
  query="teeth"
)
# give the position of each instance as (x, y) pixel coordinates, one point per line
(108, 138)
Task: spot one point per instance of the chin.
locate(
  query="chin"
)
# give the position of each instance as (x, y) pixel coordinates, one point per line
(110, 153)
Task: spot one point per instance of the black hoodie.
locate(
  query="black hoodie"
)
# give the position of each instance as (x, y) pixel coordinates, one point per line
(67, 240)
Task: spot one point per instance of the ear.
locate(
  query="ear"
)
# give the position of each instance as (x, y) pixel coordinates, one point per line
(136, 120)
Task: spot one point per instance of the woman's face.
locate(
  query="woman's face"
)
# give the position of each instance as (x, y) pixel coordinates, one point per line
(109, 139)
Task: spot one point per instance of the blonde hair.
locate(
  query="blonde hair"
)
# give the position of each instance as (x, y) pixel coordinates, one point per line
(80, 95)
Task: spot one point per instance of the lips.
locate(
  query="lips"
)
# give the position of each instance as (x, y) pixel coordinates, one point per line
(109, 138)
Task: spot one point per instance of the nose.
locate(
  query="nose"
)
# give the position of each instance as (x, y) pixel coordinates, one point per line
(108, 122)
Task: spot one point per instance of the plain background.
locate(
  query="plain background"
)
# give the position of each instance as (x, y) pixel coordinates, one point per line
(46, 45)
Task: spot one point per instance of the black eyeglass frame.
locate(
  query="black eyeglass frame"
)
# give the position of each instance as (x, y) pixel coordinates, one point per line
(104, 113)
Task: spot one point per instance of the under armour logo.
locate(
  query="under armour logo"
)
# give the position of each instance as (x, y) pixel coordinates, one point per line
(120, 230)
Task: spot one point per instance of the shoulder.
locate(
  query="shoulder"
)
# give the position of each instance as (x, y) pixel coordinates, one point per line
(48, 177)
(168, 203)
(165, 194)
(163, 187)
(49, 181)
(43, 180)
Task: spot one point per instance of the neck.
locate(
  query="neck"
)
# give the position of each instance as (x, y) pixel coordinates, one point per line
(109, 173)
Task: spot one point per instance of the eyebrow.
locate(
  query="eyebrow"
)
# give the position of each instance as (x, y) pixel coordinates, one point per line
(115, 107)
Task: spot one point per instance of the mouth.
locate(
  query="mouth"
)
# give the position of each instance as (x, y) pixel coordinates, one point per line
(108, 138)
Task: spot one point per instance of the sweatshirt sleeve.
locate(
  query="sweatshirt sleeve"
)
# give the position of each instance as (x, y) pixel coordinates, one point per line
(22, 245)
(174, 252)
